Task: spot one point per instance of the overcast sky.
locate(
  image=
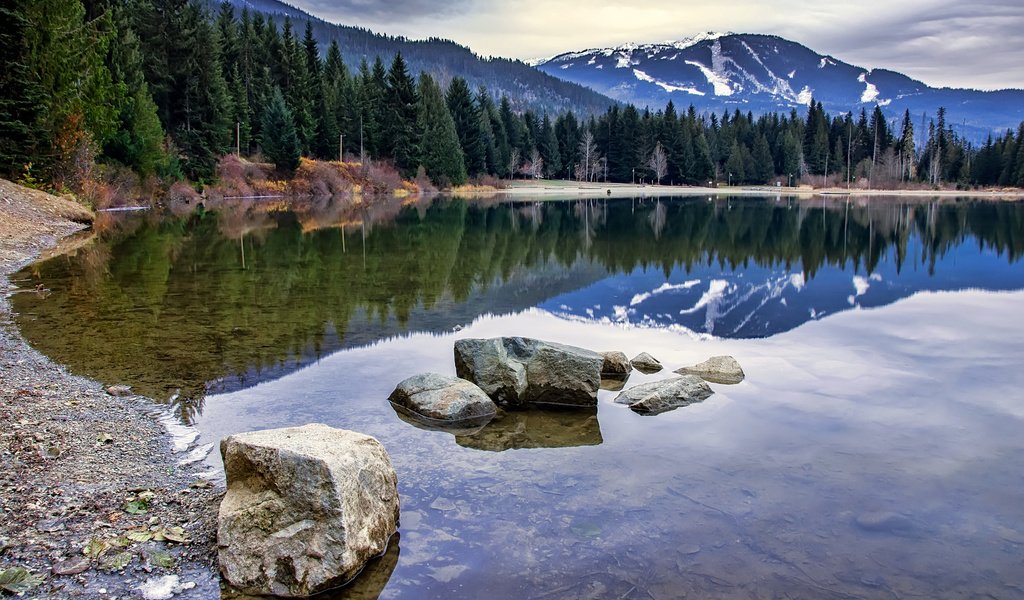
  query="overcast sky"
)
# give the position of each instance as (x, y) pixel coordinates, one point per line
(941, 42)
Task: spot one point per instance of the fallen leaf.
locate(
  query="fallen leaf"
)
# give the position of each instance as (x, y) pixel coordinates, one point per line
(95, 548)
(162, 559)
(105, 438)
(117, 561)
(17, 580)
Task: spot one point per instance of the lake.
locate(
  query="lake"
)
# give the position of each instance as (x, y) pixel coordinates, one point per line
(873, 450)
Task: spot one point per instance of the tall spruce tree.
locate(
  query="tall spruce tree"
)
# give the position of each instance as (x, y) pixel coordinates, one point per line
(280, 140)
(438, 141)
(467, 125)
(399, 129)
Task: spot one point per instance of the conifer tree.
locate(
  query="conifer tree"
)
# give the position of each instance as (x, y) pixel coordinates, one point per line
(280, 140)
(547, 146)
(438, 141)
(399, 129)
(467, 125)
(21, 102)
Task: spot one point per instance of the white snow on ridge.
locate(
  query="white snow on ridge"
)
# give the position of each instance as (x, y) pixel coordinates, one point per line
(668, 87)
(721, 84)
(684, 43)
(870, 93)
(716, 290)
(665, 287)
(805, 96)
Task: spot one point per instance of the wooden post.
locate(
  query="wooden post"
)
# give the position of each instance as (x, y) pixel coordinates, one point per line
(341, 148)
(238, 139)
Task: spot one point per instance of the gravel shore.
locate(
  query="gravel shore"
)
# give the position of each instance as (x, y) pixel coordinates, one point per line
(97, 498)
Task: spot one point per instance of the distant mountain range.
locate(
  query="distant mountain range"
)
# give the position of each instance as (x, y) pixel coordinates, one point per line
(762, 73)
(525, 86)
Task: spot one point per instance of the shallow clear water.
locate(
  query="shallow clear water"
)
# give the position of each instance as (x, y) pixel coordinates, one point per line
(873, 450)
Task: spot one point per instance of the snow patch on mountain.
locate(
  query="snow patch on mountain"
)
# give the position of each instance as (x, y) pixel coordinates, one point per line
(684, 43)
(870, 93)
(668, 87)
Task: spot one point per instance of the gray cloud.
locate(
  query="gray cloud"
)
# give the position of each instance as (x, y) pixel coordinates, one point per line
(383, 13)
(941, 43)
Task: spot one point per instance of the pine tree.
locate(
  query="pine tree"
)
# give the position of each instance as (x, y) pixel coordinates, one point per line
(467, 125)
(399, 134)
(438, 141)
(547, 146)
(138, 142)
(764, 166)
(280, 141)
(21, 101)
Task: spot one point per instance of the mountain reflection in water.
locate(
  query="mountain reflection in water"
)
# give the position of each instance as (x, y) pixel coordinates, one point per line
(180, 307)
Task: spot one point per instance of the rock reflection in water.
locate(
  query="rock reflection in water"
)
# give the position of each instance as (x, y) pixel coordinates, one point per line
(536, 428)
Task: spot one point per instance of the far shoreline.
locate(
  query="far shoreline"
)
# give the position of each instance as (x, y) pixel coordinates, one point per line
(564, 189)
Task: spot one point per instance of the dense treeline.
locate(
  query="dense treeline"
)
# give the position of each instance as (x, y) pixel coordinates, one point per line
(164, 88)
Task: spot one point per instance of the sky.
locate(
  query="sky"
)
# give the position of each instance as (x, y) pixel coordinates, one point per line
(956, 43)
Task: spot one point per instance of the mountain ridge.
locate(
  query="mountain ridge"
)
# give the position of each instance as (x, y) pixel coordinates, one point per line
(764, 73)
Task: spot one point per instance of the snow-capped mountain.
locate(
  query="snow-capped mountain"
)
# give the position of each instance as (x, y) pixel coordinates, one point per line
(723, 71)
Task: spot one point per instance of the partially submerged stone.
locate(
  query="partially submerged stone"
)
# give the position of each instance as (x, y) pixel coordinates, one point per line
(305, 508)
(646, 364)
(717, 369)
(119, 391)
(517, 371)
(615, 365)
(443, 398)
(657, 397)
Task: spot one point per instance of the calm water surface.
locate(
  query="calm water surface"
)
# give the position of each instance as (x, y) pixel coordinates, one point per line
(874, 450)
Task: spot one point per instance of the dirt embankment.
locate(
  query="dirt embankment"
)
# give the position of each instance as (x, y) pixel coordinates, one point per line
(96, 501)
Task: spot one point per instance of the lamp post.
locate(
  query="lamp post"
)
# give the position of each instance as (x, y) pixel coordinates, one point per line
(730, 179)
(633, 178)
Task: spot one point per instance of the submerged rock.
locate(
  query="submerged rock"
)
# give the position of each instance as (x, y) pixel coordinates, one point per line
(615, 364)
(657, 397)
(646, 364)
(305, 508)
(717, 369)
(613, 384)
(518, 371)
(443, 398)
(536, 428)
(885, 522)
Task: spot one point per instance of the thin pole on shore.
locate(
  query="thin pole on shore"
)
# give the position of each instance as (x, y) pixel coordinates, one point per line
(238, 139)
(341, 147)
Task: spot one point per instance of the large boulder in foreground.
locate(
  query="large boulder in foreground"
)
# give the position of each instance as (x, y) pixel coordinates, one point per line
(518, 371)
(717, 369)
(305, 508)
(657, 397)
(443, 398)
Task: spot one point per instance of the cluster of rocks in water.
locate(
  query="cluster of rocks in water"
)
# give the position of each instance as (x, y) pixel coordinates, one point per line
(515, 372)
(307, 507)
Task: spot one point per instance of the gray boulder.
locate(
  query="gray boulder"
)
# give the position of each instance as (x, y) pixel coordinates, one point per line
(488, 364)
(717, 369)
(615, 365)
(646, 364)
(305, 508)
(518, 371)
(443, 398)
(657, 397)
